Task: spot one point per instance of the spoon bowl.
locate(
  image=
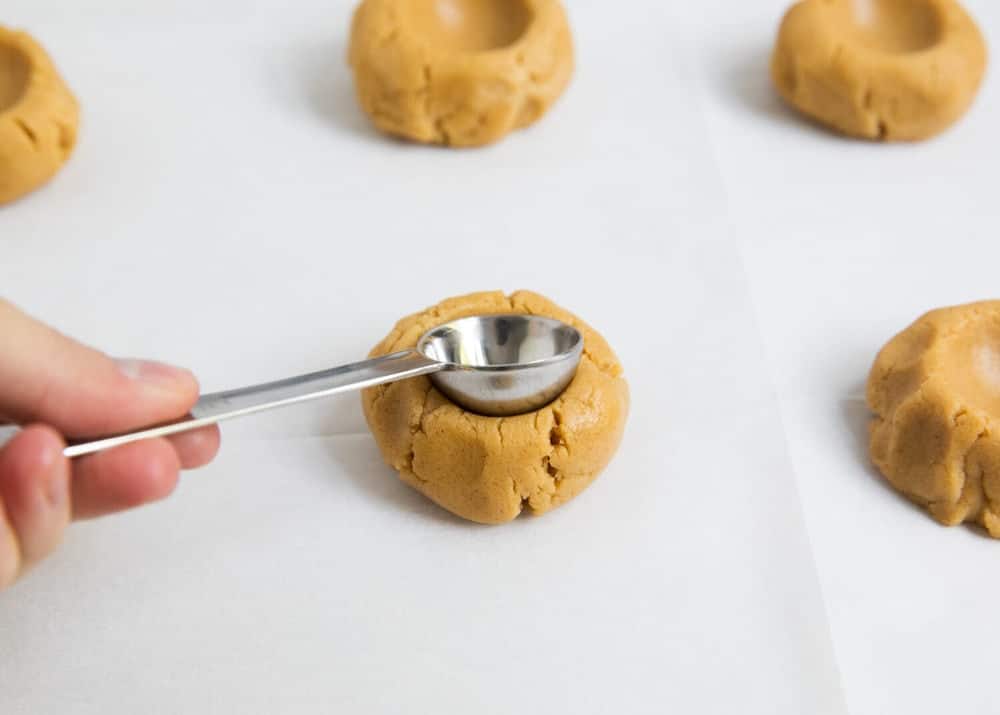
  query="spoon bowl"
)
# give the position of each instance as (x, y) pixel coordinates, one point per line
(503, 364)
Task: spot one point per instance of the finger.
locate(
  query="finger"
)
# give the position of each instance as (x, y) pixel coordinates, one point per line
(198, 447)
(80, 391)
(34, 493)
(124, 477)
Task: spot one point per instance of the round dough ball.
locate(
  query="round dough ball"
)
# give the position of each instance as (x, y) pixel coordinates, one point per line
(879, 69)
(459, 72)
(489, 469)
(38, 116)
(935, 392)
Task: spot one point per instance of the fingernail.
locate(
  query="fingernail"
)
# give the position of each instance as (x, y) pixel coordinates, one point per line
(150, 373)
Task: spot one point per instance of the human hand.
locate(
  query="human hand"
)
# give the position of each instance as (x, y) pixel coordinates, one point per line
(55, 386)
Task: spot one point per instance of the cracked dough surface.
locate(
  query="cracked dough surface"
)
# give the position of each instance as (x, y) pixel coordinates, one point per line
(459, 72)
(38, 116)
(879, 69)
(935, 391)
(489, 469)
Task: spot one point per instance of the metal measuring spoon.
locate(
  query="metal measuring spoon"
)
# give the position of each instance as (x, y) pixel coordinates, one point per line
(492, 364)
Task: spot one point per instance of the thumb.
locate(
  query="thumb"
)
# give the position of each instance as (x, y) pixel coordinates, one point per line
(34, 499)
(49, 378)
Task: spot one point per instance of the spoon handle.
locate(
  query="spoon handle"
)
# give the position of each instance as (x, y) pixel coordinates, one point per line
(218, 406)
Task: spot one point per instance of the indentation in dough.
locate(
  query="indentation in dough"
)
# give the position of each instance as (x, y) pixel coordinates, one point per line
(987, 364)
(27, 131)
(469, 25)
(972, 367)
(15, 68)
(896, 25)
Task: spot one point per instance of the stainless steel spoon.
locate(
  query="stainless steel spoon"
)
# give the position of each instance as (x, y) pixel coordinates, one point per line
(492, 364)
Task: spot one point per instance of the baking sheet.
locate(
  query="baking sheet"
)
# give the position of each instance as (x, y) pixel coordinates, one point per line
(228, 209)
(846, 243)
(910, 602)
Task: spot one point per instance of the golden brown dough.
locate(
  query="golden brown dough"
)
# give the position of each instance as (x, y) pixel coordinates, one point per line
(459, 72)
(879, 69)
(38, 116)
(935, 391)
(488, 469)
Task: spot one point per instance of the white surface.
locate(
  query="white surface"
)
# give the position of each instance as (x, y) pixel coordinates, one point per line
(846, 243)
(228, 209)
(910, 602)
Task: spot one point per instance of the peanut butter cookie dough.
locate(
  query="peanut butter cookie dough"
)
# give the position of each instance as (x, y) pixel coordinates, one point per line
(879, 69)
(935, 391)
(38, 116)
(459, 72)
(489, 469)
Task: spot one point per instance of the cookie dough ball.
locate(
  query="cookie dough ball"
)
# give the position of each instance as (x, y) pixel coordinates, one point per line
(935, 392)
(38, 116)
(459, 72)
(489, 469)
(879, 69)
